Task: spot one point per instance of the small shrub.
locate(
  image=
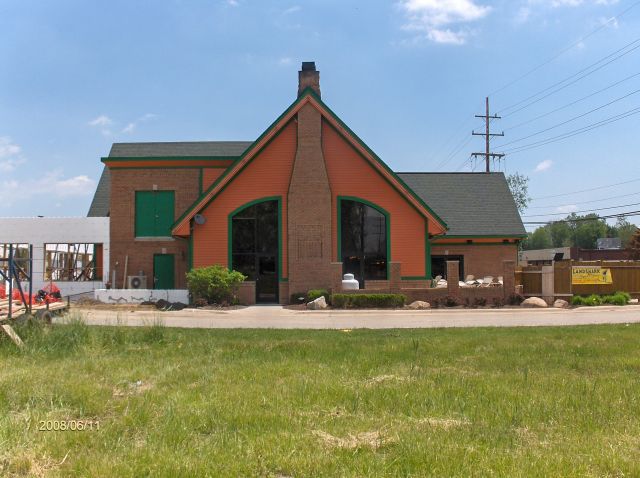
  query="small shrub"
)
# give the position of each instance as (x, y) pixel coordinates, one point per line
(498, 302)
(480, 301)
(451, 301)
(215, 284)
(313, 294)
(593, 299)
(357, 301)
(577, 300)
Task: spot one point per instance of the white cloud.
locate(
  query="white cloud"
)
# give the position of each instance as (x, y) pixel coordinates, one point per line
(9, 155)
(439, 20)
(543, 165)
(233, 3)
(285, 61)
(8, 147)
(134, 124)
(293, 9)
(567, 208)
(102, 120)
(51, 185)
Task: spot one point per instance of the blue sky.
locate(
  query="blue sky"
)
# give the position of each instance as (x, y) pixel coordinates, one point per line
(406, 76)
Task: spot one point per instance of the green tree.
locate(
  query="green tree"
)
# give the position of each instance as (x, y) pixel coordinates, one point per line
(561, 234)
(519, 186)
(540, 239)
(587, 230)
(625, 231)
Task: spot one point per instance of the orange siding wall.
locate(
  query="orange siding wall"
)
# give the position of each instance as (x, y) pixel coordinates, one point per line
(351, 175)
(267, 175)
(209, 175)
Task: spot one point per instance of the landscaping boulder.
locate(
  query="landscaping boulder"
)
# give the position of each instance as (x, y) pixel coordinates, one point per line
(319, 303)
(419, 304)
(633, 301)
(561, 304)
(536, 302)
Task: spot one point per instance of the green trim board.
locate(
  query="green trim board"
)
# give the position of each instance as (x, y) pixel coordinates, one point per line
(465, 244)
(230, 230)
(144, 168)
(427, 250)
(167, 158)
(250, 150)
(446, 236)
(384, 212)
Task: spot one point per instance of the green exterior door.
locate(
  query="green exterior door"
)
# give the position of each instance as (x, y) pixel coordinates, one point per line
(163, 271)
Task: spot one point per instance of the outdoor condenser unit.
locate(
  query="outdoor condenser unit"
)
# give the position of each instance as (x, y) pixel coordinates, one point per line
(136, 282)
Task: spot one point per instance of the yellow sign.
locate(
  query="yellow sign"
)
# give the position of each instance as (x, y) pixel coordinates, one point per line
(590, 275)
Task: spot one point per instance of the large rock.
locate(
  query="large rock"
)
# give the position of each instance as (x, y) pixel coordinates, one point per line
(317, 304)
(561, 304)
(419, 304)
(534, 302)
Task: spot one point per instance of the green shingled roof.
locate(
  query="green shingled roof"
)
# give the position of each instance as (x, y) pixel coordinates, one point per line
(472, 204)
(179, 149)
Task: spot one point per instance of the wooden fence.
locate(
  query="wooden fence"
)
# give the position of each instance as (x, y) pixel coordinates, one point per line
(541, 280)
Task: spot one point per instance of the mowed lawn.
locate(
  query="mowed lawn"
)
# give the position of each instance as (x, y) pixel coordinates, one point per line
(465, 402)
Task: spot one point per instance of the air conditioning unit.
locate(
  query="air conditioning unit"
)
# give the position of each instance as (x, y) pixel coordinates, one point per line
(136, 282)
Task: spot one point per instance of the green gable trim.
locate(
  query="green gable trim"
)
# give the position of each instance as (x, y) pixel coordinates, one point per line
(250, 150)
(167, 158)
(230, 231)
(384, 212)
(229, 168)
(309, 91)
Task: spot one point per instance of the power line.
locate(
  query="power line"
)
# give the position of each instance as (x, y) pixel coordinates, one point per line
(634, 42)
(586, 210)
(586, 190)
(564, 50)
(585, 202)
(455, 151)
(572, 103)
(598, 218)
(585, 129)
(571, 119)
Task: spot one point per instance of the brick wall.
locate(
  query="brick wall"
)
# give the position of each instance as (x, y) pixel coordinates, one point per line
(479, 260)
(124, 184)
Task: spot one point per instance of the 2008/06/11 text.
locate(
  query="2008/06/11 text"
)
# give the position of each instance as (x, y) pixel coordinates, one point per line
(68, 425)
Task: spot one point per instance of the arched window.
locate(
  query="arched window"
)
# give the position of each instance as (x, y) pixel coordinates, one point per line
(255, 246)
(364, 241)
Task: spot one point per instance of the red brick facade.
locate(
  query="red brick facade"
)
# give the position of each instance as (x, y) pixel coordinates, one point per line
(138, 253)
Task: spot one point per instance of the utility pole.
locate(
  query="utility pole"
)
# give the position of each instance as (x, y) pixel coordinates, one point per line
(487, 135)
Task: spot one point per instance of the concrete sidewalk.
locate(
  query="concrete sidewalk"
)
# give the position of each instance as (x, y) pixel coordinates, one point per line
(259, 317)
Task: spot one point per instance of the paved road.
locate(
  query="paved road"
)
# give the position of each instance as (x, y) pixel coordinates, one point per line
(280, 318)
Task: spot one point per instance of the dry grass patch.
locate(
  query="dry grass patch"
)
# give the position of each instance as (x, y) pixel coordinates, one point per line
(132, 388)
(373, 440)
(444, 423)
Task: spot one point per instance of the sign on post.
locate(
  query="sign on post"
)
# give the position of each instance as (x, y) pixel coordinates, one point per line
(590, 275)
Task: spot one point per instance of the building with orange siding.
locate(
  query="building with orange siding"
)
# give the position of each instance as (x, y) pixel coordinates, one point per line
(297, 208)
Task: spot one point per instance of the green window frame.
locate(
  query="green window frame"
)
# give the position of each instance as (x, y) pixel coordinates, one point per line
(155, 213)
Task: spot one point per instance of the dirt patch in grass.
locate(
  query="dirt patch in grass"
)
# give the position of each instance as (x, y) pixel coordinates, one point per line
(26, 463)
(377, 380)
(373, 440)
(132, 388)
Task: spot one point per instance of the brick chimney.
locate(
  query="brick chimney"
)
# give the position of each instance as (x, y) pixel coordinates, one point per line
(309, 199)
(308, 76)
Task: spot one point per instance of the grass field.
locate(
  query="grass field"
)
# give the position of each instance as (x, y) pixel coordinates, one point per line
(466, 402)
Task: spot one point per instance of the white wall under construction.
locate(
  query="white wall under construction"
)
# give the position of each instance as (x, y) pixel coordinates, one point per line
(38, 231)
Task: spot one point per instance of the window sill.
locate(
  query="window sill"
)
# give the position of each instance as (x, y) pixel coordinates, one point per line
(155, 239)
